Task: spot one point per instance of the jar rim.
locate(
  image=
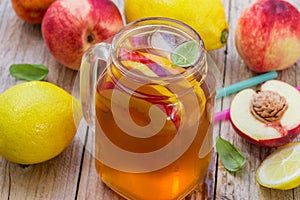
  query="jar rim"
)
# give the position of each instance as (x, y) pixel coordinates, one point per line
(198, 65)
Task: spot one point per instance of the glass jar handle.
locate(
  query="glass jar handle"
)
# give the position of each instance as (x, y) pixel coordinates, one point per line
(93, 63)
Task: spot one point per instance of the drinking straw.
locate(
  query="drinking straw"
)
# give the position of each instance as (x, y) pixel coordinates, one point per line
(245, 84)
(222, 115)
(225, 114)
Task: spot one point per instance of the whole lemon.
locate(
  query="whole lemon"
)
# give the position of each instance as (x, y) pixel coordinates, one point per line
(36, 122)
(207, 17)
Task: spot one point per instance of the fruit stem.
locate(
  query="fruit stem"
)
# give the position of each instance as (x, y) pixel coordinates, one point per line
(224, 36)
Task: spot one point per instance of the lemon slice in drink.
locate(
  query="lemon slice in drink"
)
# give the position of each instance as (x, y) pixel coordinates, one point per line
(281, 169)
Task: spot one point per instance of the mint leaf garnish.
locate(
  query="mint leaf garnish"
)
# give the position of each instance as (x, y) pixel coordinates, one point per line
(186, 54)
(231, 157)
(28, 72)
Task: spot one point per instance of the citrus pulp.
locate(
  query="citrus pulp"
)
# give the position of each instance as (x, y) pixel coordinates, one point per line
(281, 169)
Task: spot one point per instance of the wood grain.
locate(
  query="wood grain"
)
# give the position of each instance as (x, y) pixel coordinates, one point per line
(72, 175)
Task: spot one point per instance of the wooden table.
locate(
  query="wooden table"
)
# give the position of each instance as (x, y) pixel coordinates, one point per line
(71, 175)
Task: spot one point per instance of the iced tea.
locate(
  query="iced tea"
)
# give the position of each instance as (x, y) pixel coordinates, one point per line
(153, 119)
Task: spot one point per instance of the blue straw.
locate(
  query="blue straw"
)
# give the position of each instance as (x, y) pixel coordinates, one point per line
(245, 84)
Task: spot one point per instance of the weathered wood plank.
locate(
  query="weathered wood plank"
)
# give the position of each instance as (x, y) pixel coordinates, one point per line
(57, 178)
(243, 185)
(72, 174)
(91, 186)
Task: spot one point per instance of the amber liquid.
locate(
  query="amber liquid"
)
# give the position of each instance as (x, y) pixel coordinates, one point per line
(179, 177)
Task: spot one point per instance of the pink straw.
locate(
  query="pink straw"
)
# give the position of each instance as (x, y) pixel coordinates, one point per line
(225, 114)
(222, 115)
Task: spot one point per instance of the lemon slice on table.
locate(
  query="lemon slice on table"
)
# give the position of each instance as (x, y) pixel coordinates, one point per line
(281, 169)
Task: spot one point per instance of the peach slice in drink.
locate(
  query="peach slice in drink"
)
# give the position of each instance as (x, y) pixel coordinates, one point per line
(137, 141)
(163, 93)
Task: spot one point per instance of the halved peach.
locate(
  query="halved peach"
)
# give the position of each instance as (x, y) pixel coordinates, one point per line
(267, 117)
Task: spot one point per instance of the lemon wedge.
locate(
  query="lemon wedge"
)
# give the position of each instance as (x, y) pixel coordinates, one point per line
(281, 169)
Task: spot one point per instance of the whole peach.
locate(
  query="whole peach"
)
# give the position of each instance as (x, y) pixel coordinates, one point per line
(268, 35)
(70, 27)
(31, 11)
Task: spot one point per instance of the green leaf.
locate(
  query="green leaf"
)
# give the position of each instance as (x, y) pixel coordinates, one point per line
(28, 72)
(231, 157)
(186, 54)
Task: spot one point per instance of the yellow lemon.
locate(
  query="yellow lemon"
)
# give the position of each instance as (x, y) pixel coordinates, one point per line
(207, 17)
(281, 169)
(36, 122)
